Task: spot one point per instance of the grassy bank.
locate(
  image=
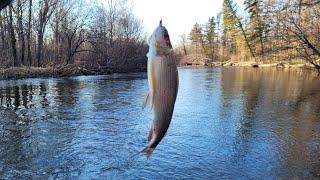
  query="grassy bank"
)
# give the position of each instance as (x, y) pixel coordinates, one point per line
(70, 70)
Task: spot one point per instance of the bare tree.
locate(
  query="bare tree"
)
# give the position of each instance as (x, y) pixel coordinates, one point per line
(183, 42)
(20, 30)
(12, 37)
(303, 25)
(51, 33)
(46, 8)
(29, 58)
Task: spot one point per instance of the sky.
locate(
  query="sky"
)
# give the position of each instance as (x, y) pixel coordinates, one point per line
(178, 16)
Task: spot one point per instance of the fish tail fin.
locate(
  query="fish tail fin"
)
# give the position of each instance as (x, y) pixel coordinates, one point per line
(145, 100)
(148, 151)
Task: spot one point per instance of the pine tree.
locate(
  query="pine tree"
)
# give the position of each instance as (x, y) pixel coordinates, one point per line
(229, 21)
(209, 37)
(234, 31)
(256, 26)
(196, 37)
(230, 32)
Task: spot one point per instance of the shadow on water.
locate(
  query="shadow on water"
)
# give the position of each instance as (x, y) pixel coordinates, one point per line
(228, 123)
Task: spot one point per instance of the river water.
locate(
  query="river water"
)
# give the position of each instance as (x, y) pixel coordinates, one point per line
(228, 123)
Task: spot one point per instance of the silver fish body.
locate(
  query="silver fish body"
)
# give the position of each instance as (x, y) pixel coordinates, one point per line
(163, 86)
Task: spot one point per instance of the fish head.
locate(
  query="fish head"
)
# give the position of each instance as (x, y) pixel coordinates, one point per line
(160, 40)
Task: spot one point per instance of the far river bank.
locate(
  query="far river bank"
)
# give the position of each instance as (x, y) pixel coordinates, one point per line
(253, 64)
(66, 71)
(80, 70)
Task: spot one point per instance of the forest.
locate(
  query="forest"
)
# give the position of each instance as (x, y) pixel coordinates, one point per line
(61, 33)
(104, 37)
(283, 31)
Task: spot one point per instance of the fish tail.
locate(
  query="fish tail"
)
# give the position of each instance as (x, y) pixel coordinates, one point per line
(148, 151)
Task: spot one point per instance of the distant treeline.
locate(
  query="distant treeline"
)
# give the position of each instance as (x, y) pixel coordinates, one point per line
(56, 33)
(265, 30)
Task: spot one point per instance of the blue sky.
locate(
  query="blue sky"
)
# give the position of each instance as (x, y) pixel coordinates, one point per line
(178, 15)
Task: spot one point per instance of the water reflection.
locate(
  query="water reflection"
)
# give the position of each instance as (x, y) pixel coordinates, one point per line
(228, 123)
(281, 107)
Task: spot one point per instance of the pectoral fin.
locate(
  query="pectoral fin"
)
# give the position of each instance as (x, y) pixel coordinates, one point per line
(145, 100)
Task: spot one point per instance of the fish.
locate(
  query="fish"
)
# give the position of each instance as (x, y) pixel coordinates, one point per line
(163, 82)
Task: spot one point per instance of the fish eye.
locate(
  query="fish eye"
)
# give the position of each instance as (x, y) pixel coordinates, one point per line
(165, 34)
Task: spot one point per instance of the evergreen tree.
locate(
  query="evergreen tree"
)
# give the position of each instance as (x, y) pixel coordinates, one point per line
(256, 26)
(196, 37)
(233, 27)
(229, 23)
(209, 37)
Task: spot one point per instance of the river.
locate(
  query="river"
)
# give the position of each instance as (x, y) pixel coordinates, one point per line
(228, 123)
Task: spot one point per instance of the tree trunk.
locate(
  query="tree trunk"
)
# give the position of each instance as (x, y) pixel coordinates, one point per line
(1, 30)
(40, 46)
(184, 49)
(56, 32)
(242, 29)
(13, 38)
(69, 53)
(29, 58)
(44, 15)
(261, 44)
(21, 32)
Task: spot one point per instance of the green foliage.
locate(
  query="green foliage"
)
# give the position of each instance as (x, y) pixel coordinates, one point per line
(196, 38)
(196, 35)
(209, 37)
(210, 30)
(229, 20)
(233, 38)
(257, 27)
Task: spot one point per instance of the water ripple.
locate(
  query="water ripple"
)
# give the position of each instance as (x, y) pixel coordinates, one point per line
(228, 123)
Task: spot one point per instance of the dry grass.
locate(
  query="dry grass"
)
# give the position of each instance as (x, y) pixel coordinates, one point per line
(70, 70)
(24, 72)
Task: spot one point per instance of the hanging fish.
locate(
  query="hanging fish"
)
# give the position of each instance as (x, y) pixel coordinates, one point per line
(163, 85)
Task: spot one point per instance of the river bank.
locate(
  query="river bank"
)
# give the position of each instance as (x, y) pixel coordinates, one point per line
(261, 64)
(66, 71)
(79, 70)
(253, 64)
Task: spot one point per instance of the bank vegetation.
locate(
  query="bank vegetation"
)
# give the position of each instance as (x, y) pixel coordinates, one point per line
(67, 36)
(283, 33)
